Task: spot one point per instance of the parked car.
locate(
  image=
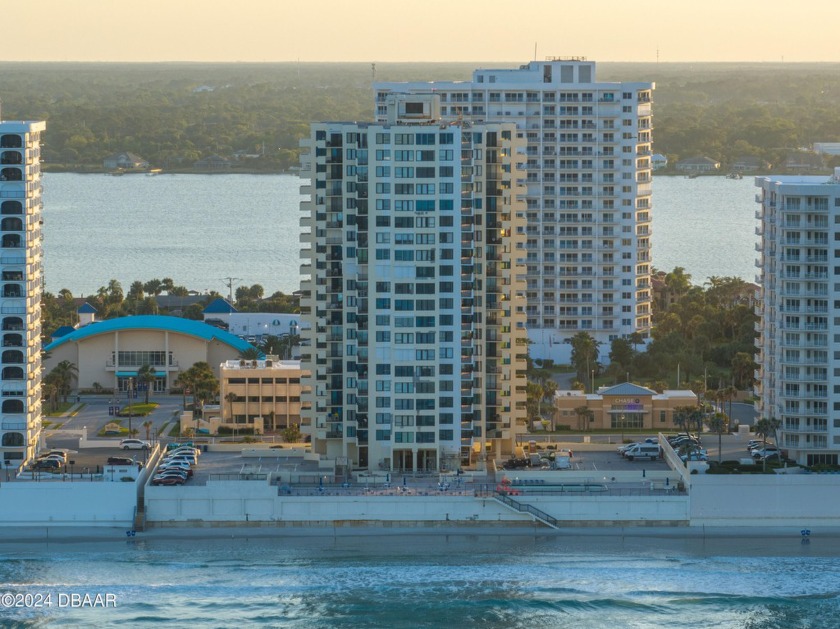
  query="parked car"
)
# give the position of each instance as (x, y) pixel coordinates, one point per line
(681, 440)
(758, 453)
(120, 460)
(772, 456)
(179, 459)
(184, 444)
(62, 459)
(168, 480)
(697, 455)
(755, 443)
(622, 449)
(184, 450)
(54, 454)
(134, 444)
(50, 465)
(643, 451)
(179, 467)
(172, 472)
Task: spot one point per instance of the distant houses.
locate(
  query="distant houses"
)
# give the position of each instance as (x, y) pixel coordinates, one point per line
(827, 148)
(125, 161)
(803, 161)
(698, 165)
(213, 162)
(749, 164)
(658, 161)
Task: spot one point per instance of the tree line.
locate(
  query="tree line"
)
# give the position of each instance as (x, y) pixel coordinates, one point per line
(112, 301)
(703, 339)
(175, 114)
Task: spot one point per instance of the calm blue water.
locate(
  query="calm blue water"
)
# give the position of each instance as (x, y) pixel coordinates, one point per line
(425, 581)
(198, 229)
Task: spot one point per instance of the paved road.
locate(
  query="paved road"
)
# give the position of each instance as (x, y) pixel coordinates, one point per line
(94, 415)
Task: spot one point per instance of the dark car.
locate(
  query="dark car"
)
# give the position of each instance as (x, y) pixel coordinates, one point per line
(168, 480)
(120, 460)
(170, 474)
(50, 465)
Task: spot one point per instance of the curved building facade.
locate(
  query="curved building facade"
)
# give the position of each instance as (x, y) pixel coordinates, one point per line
(111, 352)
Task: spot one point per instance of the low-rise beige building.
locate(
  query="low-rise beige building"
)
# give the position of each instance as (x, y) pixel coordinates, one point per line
(622, 406)
(263, 395)
(111, 352)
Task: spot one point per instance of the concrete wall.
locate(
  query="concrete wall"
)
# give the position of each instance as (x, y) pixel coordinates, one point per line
(241, 501)
(250, 501)
(56, 503)
(797, 500)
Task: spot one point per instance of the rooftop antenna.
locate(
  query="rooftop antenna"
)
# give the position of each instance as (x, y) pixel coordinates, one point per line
(373, 72)
(657, 53)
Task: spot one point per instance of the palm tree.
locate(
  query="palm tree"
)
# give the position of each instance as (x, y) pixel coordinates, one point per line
(148, 426)
(584, 416)
(730, 392)
(584, 354)
(549, 388)
(251, 353)
(49, 392)
(147, 376)
(62, 375)
(717, 423)
(184, 382)
(230, 398)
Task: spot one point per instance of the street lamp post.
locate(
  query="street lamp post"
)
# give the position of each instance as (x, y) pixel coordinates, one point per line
(128, 388)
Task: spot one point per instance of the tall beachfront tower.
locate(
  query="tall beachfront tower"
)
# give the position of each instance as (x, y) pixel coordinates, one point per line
(411, 285)
(588, 146)
(20, 300)
(798, 310)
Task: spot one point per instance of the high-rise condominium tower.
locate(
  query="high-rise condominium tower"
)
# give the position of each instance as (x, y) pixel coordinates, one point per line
(798, 313)
(410, 282)
(588, 147)
(20, 300)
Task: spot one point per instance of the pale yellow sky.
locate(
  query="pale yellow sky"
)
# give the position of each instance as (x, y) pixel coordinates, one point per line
(427, 30)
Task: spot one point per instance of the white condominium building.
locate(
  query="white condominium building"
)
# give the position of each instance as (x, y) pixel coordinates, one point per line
(20, 300)
(799, 312)
(417, 342)
(588, 147)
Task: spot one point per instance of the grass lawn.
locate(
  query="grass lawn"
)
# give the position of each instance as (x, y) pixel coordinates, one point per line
(61, 407)
(175, 430)
(138, 410)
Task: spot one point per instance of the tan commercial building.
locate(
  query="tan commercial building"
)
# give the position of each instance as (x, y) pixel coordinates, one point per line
(263, 395)
(111, 352)
(622, 406)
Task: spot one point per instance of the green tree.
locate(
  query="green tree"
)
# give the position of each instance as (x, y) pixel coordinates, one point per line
(717, 424)
(584, 355)
(621, 353)
(62, 376)
(230, 398)
(743, 370)
(147, 376)
(291, 433)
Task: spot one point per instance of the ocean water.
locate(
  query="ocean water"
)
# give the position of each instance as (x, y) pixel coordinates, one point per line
(200, 229)
(431, 581)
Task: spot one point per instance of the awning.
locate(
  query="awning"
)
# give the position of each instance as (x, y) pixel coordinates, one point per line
(126, 374)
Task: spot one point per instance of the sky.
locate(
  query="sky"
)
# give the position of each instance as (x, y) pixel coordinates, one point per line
(427, 31)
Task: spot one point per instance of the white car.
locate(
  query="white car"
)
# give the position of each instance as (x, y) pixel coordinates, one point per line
(134, 444)
(188, 451)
